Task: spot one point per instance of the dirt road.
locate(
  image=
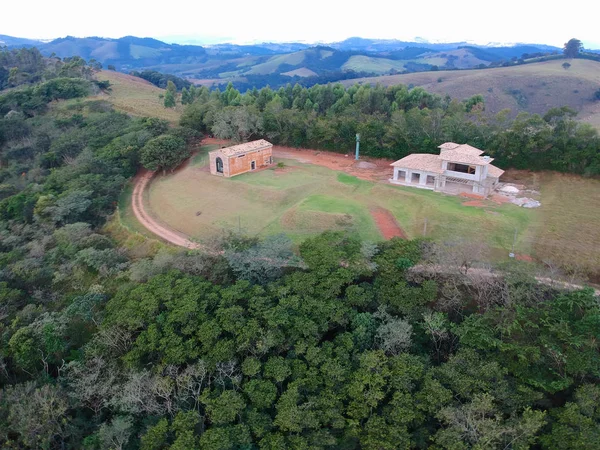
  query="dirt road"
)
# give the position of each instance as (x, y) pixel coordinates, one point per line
(168, 234)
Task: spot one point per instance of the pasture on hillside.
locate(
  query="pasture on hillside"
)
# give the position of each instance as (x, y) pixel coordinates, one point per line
(534, 87)
(301, 200)
(136, 96)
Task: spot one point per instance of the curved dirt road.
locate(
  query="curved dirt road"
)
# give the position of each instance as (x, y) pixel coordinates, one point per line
(140, 183)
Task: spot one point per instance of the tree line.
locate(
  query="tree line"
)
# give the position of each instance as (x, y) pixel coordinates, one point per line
(393, 122)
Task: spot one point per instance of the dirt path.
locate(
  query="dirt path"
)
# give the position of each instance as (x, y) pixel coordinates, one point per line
(370, 169)
(140, 183)
(387, 224)
(486, 273)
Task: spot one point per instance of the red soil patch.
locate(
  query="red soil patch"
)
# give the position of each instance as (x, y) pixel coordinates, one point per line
(215, 141)
(524, 258)
(471, 195)
(337, 161)
(478, 203)
(387, 224)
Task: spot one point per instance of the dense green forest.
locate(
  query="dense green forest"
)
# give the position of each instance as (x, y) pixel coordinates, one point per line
(394, 122)
(257, 344)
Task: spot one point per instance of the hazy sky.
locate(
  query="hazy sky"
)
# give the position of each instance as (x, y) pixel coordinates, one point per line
(507, 21)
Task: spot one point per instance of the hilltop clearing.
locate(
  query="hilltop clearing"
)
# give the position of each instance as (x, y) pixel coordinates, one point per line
(136, 96)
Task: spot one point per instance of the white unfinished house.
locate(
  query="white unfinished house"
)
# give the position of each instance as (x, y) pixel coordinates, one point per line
(459, 168)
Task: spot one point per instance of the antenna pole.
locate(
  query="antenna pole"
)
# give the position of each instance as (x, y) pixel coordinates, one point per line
(512, 253)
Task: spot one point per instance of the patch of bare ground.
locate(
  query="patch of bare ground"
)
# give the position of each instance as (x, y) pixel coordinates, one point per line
(387, 224)
(377, 169)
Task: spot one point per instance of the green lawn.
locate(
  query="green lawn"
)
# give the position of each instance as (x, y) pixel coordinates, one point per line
(302, 200)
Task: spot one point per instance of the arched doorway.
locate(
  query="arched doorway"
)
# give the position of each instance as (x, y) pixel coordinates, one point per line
(219, 163)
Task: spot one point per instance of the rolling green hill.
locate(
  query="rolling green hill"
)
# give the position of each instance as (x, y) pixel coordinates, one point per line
(532, 87)
(229, 61)
(362, 63)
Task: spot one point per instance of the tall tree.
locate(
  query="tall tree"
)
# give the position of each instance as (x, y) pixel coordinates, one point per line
(170, 95)
(572, 48)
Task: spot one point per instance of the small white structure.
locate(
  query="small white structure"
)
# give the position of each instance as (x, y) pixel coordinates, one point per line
(458, 168)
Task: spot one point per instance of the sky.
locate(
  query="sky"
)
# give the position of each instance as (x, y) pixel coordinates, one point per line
(310, 21)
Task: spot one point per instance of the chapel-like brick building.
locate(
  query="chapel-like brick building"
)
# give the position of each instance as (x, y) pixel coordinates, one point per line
(231, 161)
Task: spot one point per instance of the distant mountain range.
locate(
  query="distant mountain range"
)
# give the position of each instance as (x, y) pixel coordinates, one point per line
(280, 61)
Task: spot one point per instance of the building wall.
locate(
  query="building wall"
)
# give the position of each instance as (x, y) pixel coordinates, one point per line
(404, 176)
(238, 164)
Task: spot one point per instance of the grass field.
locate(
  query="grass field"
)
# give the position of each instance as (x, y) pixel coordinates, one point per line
(534, 87)
(302, 199)
(136, 96)
(566, 229)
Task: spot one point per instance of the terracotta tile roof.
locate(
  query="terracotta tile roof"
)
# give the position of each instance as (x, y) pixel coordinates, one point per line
(465, 158)
(494, 171)
(448, 146)
(420, 161)
(464, 148)
(468, 149)
(239, 149)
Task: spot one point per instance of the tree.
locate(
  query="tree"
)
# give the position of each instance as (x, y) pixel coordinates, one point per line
(169, 99)
(170, 95)
(576, 424)
(114, 436)
(566, 65)
(394, 334)
(265, 261)
(185, 96)
(480, 424)
(238, 123)
(164, 153)
(572, 48)
(38, 415)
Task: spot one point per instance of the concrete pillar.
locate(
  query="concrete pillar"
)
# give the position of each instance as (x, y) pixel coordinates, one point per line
(395, 178)
(408, 175)
(423, 179)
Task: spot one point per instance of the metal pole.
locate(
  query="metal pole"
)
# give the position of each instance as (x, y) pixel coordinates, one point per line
(425, 227)
(514, 240)
(512, 253)
(357, 145)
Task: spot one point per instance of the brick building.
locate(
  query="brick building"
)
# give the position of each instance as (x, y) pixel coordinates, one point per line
(231, 161)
